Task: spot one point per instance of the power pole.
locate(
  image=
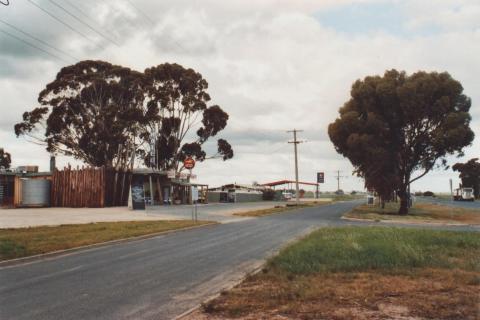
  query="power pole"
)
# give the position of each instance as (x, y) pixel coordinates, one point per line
(338, 177)
(295, 142)
(338, 180)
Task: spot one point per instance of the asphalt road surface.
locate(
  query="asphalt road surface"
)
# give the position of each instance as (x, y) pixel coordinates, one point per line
(156, 278)
(447, 202)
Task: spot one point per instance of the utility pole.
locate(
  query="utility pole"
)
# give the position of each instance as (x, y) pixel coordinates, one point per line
(295, 142)
(338, 177)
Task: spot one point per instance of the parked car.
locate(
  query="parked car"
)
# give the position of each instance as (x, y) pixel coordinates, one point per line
(287, 195)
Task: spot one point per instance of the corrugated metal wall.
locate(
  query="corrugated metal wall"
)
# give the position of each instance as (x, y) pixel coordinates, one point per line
(35, 192)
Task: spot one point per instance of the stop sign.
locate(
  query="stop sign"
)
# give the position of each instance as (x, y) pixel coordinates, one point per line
(189, 163)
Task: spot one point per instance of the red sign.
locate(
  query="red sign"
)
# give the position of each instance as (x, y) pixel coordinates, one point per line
(189, 163)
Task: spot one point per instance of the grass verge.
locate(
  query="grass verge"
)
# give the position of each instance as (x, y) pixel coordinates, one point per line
(362, 273)
(420, 212)
(23, 242)
(280, 209)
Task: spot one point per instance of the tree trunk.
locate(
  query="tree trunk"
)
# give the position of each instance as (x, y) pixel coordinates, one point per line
(403, 195)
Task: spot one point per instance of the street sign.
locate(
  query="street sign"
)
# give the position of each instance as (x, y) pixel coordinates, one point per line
(189, 163)
(320, 177)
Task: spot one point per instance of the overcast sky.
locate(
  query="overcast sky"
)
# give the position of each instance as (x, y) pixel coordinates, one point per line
(272, 65)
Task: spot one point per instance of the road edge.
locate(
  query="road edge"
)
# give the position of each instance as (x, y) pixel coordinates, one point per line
(247, 274)
(65, 252)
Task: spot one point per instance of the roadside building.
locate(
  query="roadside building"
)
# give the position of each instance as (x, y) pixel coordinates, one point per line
(25, 187)
(235, 192)
(167, 187)
(284, 188)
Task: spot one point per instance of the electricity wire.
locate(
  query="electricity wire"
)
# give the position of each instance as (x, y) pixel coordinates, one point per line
(32, 45)
(82, 22)
(85, 14)
(63, 22)
(39, 40)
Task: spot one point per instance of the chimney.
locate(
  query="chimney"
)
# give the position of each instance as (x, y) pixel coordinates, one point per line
(52, 163)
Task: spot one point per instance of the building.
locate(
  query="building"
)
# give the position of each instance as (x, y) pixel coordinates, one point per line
(163, 187)
(25, 187)
(235, 192)
(283, 188)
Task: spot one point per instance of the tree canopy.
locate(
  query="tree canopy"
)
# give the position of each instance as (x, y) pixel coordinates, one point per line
(91, 111)
(107, 115)
(179, 97)
(5, 159)
(469, 174)
(397, 125)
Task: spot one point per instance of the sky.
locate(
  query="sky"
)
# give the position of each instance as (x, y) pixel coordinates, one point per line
(271, 65)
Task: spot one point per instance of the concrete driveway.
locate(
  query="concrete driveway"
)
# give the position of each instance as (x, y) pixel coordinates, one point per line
(220, 212)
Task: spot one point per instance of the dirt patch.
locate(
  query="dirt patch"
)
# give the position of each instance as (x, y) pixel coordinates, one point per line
(419, 294)
(280, 209)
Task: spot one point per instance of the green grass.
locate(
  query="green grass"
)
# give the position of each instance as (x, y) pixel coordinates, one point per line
(420, 212)
(379, 248)
(22, 242)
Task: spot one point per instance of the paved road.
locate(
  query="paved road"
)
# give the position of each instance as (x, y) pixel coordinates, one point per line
(220, 212)
(157, 278)
(446, 202)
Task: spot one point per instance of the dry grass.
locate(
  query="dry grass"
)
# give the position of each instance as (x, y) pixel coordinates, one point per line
(361, 273)
(22, 242)
(421, 212)
(427, 294)
(280, 209)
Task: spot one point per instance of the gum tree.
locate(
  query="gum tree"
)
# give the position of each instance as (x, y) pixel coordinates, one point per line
(93, 111)
(396, 128)
(182, 120)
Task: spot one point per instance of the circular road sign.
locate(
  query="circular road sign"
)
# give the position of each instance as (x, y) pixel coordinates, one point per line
(189, 163)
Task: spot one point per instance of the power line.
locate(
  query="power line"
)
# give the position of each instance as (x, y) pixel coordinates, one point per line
(63, 22)
(82, 22)
(32, 45)
(141, 12)
(39, 40)
(83, 13)
(338, 177)
(153, 24)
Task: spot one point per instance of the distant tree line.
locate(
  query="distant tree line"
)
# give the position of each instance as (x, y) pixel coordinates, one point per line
(109, 115)
(396, 128)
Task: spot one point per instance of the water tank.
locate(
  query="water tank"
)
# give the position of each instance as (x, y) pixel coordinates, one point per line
(36, 192)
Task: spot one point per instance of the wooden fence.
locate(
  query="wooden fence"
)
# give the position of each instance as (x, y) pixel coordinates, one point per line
(90, 187)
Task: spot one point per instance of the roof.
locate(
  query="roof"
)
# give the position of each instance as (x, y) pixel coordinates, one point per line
(239, 186)
(280, 182)
(26, 174)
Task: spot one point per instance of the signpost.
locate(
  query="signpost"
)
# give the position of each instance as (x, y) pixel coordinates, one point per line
(189, 164)
(320, 179)
(137, 194)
